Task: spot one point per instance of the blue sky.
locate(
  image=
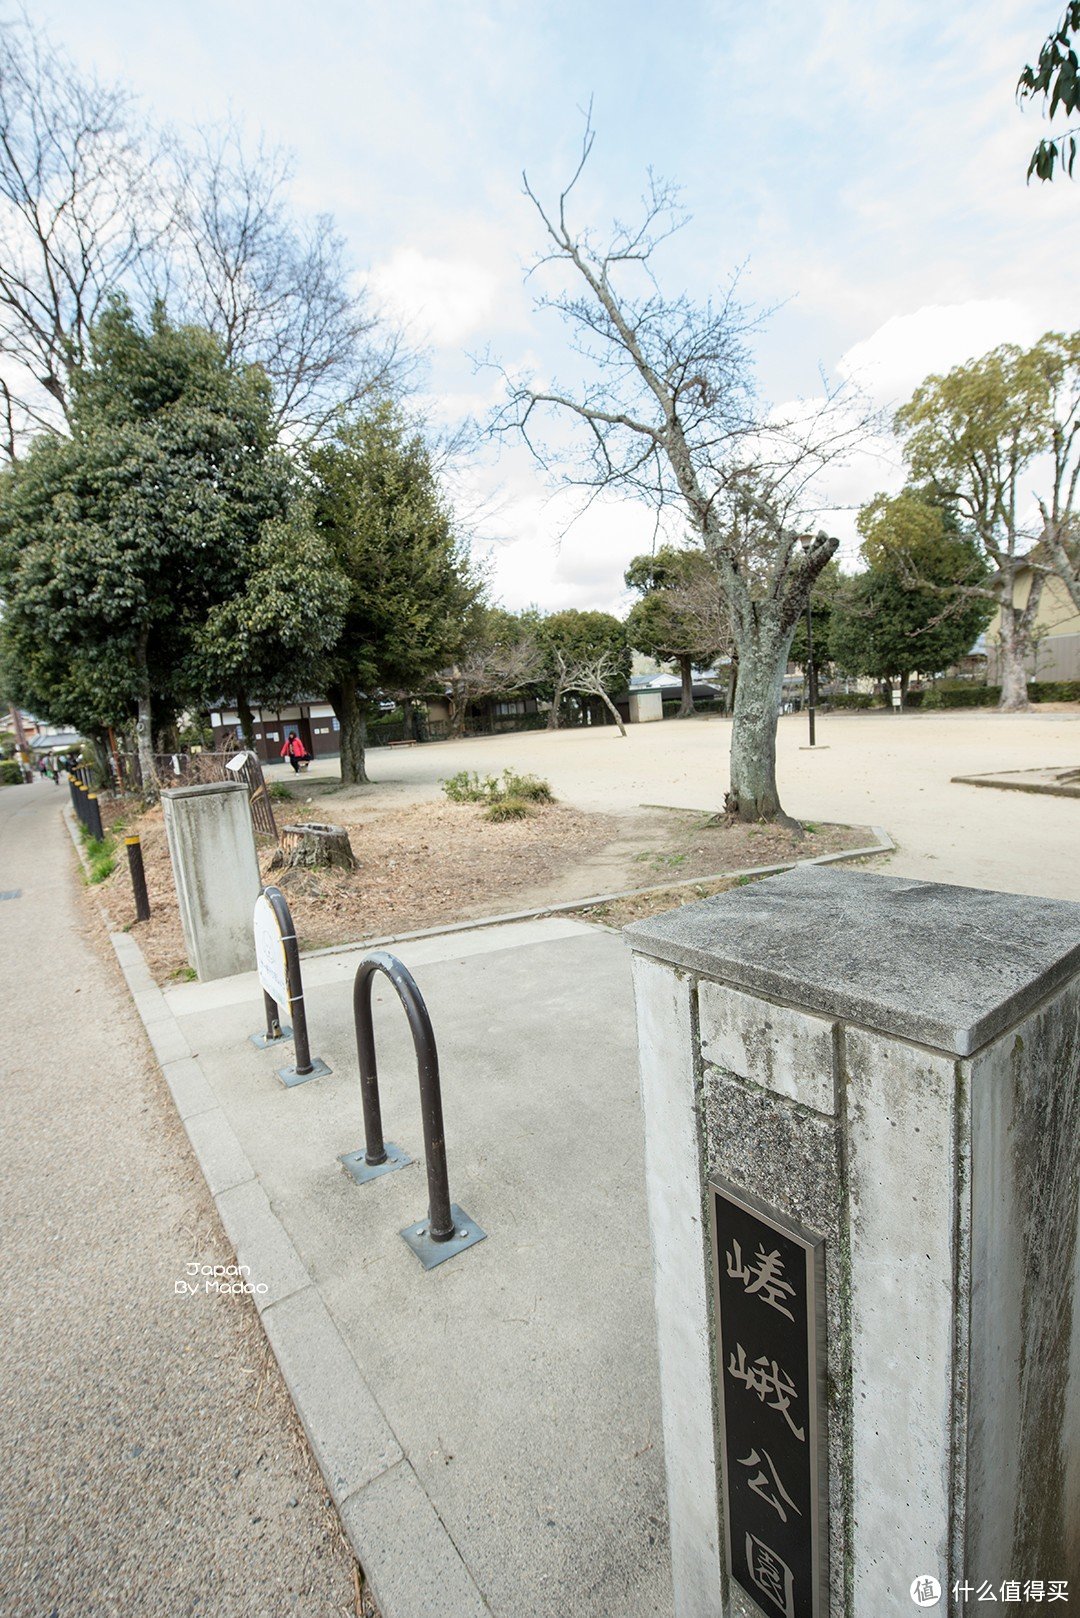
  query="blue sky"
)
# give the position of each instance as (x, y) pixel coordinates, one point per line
(864, 161)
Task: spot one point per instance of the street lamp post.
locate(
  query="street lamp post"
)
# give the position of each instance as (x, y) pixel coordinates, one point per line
(806, 540)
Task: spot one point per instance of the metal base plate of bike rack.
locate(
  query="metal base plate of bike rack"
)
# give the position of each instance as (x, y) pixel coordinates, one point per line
(263, 1042)
(289, 1075)
(430, 1253)
(362, 1171)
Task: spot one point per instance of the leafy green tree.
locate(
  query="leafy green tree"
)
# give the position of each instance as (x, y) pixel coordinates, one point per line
(405, 573)
(265, 641)
(977, 440)
(921, 603)
(587, 653)
(1055, 77)
(116, 543)
(681, 617)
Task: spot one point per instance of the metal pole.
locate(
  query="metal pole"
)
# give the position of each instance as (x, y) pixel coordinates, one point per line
(811, 693)
(273, 1021)
(440, 1224)
(374, 1144)
(138, 878)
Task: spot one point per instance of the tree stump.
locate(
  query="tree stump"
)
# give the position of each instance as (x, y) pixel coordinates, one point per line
(311, 845)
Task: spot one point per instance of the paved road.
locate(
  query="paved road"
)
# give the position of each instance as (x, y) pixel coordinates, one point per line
(150, 1460)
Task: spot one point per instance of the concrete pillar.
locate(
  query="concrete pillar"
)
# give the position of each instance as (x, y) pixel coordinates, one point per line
(212, 847)
(887, 1073)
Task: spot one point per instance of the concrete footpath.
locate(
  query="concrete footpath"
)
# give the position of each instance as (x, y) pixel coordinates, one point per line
(150, 1460)
(489, 1429)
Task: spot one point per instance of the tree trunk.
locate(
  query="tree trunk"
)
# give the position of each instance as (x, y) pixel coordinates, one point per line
(905, 681)
(733, 682)
(556, 704)
(686, 673)
(457, 703)
(144, 735)
(1014, 697)
(618, 716)
(350, 716)
(762, 661)
(247, 721)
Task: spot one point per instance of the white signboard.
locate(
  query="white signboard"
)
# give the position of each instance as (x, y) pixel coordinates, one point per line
(270, 952)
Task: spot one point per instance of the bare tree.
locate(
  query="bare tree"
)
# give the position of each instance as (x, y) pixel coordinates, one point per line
(79, 207)
(94, 202)
(682, 615)
(277, 293)
(487, 670)
(588, 676)
(668, 413)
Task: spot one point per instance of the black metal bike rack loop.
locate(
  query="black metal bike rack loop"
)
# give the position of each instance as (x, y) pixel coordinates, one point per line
(447, 1229)
(305, 1066)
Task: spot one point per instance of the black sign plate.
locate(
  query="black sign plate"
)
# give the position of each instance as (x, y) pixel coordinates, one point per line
(770, 1364)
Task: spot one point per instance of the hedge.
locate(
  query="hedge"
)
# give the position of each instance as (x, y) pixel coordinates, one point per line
(988, 696)
(849, 699)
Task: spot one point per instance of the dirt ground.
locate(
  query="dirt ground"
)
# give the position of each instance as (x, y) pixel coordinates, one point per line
(428, 864)
(868, 769)
(882, 769)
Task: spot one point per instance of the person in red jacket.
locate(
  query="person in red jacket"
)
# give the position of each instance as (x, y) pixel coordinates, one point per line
(293, 749)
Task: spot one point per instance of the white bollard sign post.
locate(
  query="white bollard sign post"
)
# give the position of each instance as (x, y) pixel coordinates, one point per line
(277, 957)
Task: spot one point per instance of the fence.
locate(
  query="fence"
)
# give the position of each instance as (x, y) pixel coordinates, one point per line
(195, 769)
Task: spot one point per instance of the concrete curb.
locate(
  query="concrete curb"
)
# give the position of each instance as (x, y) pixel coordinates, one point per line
(996, 779)
(409, 1558)
(884, 845)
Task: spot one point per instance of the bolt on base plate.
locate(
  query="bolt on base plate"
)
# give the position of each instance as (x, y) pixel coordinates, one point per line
(289, 1075)
(263, 1042)
(467, 1234)
(362, 1171)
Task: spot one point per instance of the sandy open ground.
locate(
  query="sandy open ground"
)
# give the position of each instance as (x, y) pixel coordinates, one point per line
(887, 769)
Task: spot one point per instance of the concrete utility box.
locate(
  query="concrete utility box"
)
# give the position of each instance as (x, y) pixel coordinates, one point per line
(212, 847)
(646, 707)
(862, 1123)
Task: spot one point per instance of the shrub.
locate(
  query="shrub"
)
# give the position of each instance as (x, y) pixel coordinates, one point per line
(10, 773)
(1055, 691)
(469, 787)
(509, 809)
(851, 699)
(530, 788)
(972, 696)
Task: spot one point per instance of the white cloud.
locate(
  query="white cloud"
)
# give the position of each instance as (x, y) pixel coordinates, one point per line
(444, 300)
(892, 362)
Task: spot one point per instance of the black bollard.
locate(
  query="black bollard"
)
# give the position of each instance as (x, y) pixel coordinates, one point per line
(138, 878)
(93, 808)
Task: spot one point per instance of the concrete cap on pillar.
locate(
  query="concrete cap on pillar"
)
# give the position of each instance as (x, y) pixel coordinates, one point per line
(940, 965)
(204, 789)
